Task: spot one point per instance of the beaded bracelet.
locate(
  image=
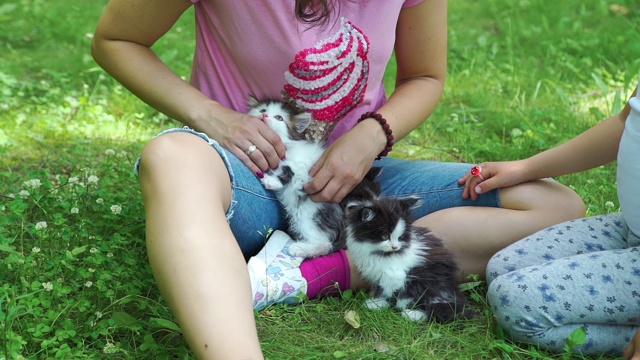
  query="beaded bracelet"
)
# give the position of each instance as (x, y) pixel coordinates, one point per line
(385, 127)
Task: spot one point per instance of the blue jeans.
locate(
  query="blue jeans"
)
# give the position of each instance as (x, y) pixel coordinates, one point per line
(254, 210)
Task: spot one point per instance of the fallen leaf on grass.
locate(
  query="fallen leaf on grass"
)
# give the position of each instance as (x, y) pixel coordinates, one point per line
(352, 318)
(619, 9)
(382, 348)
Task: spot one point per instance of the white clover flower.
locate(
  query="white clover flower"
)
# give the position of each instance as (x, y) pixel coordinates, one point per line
(35, 250)
(98, 315)
(99, 200)
(75, 210)
(73, 180)
(92, 179)
(116, 209)
(41, 225)
(609, 205)
(24, 194)
(122, 154)
(32, 184)
(93, 250)
(88, 284)
(11, 196)
(109, 348)
(109, 255)
(110, 152)
(47, 286)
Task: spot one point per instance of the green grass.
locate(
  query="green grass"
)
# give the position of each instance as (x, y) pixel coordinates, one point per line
(523, 76)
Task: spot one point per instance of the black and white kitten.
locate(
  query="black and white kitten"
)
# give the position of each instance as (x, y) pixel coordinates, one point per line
(407, 266)
(318, 228)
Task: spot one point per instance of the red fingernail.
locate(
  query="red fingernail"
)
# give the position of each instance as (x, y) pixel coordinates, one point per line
(260, 174)
(283, 158)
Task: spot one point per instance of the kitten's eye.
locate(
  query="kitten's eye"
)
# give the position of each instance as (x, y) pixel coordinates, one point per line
(262, 111)
(279, 118)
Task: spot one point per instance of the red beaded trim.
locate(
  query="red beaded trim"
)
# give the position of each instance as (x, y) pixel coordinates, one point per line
(385, 127)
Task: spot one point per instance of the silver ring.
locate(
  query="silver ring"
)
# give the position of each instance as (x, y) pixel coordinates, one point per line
(250, 150)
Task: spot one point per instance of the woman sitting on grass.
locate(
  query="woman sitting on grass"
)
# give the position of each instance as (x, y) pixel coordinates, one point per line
(581, 273)
(205, 206)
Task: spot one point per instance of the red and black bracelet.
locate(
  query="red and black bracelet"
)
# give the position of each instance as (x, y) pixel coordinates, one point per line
(385, 127)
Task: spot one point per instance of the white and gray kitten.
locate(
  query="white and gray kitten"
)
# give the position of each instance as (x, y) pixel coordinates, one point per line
(318, 228)
(407, 266)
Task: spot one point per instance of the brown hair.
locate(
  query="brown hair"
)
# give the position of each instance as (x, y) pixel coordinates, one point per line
(314, 11)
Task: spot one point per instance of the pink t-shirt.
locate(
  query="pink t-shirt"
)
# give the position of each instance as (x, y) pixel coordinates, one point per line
(258, 47)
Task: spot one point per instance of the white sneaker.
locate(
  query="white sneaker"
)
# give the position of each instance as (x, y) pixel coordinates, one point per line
(275, 274)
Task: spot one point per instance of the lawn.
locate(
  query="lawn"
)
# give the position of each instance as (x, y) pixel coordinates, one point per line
(524, 75)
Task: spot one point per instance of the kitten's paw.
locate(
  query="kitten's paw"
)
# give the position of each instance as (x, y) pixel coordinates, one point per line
(271, 183)
(376, 303)
(297, 250)
(413, 315)
(305, 250)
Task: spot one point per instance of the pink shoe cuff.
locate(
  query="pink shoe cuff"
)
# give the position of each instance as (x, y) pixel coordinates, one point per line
(323, 273)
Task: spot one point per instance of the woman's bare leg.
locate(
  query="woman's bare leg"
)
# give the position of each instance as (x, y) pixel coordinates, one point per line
(195, 258)
(474, 234)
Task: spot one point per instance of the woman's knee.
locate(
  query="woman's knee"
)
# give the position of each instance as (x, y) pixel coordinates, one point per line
(163, 151)
(168, 159)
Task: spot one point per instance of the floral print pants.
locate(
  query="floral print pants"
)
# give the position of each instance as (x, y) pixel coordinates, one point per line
(584, 272)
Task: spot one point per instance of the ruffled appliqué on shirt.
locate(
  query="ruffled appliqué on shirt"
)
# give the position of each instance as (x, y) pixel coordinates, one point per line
(329, 79)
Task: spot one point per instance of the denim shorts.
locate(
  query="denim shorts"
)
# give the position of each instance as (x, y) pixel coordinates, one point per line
(255, 210)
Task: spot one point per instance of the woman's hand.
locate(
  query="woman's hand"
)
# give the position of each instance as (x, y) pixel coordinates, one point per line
(493, 175)
(340, 168)
(249, 138)
(632, 351)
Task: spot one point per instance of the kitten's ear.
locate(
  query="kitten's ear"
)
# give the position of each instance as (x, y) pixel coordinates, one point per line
(253, 101)
(411, 202)
(367, 215)
(302, 121)
(350, 206)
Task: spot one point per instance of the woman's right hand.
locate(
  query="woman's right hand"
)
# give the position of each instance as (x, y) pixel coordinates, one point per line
(493, 175)
(239, 132)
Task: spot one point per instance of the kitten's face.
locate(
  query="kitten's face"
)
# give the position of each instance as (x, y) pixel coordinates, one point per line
(380, 225)
(279, 117)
